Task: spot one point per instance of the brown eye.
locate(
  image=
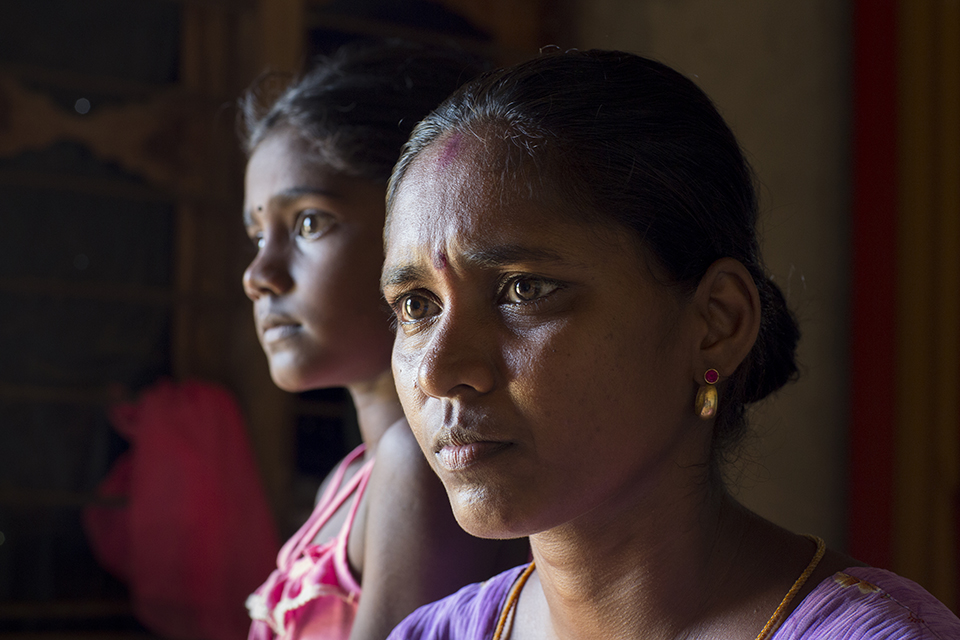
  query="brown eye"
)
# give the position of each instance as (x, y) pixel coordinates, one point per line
(313, 224)
(528, 289)
(414, 308)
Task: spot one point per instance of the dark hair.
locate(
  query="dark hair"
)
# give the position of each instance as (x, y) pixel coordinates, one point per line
(629, 140)
(358, 106)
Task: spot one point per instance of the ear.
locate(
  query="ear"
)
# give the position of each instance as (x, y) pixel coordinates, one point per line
(728, 307)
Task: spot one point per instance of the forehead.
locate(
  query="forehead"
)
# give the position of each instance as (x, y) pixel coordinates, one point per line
(469, 189)
(279, 154)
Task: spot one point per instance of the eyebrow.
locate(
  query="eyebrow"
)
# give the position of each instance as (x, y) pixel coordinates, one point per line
(400, 276)
(502, 255)
(491, 258)
(287, 196)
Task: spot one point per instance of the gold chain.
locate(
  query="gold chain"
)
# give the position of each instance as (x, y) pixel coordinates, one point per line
(512, 601)
(772, 624)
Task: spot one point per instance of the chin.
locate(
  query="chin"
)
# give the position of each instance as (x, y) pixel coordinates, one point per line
(295, 371)
(484, 516)
(287, 384)
(288, 378)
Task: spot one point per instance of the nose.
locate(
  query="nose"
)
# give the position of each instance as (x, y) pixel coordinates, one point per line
(269, 271)
(459, 358)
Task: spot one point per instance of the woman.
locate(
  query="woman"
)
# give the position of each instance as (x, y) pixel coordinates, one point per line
(319, 159)
(582, 316)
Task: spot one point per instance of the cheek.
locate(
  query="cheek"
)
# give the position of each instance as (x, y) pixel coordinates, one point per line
(578, 386)
(405, 363)
(559, 366)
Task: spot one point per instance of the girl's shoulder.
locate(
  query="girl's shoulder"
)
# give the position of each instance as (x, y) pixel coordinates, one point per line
(469, 614)
(401, 467)
(872, 604)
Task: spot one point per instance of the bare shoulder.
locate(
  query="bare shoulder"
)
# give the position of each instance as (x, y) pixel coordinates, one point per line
(402, 473)
(408, 500)
(404, 497)
(398, 451)
(414, 552)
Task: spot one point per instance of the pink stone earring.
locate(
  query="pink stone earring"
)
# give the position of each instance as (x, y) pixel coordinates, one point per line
(706, 404)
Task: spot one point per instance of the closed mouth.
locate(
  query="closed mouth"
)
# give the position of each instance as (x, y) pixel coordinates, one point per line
(457, 457)
(277, 327)
(456, 449)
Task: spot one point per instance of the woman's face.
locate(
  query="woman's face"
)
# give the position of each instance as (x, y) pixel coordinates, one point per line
(314, 281)
(544, 371)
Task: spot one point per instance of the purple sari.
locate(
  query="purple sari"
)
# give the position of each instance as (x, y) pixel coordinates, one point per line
(858, 604)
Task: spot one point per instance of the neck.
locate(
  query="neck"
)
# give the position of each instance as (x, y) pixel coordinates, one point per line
(378, 407)
(663, 563)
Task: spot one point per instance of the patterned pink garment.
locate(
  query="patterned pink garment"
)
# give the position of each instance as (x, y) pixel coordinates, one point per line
(857, 604)
(312, 594)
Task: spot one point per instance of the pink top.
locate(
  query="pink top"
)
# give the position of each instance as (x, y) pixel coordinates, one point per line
(312, 593)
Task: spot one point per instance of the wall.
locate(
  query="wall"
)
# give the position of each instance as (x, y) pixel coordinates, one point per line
(780, 73)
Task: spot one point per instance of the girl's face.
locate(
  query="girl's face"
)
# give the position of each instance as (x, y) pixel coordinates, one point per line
(314, 280)
(544, 371)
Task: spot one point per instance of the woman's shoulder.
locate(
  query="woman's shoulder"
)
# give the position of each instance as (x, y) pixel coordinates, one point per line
(872, 604)
(469, 614)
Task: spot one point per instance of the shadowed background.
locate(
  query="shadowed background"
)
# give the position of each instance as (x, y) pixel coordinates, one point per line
(120, 261)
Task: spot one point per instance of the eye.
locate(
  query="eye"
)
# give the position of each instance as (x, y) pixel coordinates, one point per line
(313, 223)
(414, 308)
(527, 289)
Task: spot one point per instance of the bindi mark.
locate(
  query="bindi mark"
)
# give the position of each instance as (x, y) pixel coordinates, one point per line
(440, 260)
(450, 149)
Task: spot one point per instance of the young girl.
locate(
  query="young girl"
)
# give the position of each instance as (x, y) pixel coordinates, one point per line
(583, 315)
(319, 159)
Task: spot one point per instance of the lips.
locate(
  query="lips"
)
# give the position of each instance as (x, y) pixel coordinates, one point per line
(457, 449)
(275, 327)
(460, 457)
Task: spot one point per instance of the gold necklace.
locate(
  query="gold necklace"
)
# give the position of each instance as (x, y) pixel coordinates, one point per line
(772, 624)
(512, 601)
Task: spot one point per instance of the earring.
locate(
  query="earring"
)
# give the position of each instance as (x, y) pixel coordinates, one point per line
(706, 404)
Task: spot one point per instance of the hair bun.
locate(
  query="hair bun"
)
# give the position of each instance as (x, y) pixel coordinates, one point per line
(772, 362)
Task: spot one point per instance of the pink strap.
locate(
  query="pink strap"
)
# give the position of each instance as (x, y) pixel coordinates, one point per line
(333, 497)
(364, 477)
(340, 559)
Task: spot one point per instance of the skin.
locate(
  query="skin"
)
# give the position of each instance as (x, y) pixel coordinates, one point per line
(314, 284)
(314, 281)
(550, 380)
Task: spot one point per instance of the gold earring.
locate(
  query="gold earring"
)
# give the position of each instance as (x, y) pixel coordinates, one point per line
(706, 404)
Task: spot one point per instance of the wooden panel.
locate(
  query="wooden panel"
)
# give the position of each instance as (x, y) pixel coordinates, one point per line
(928, 412)
(282, 34)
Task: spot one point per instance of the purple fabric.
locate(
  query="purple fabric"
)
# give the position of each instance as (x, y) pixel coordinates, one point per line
(863, 603)
(858, 604)
(469, 614)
